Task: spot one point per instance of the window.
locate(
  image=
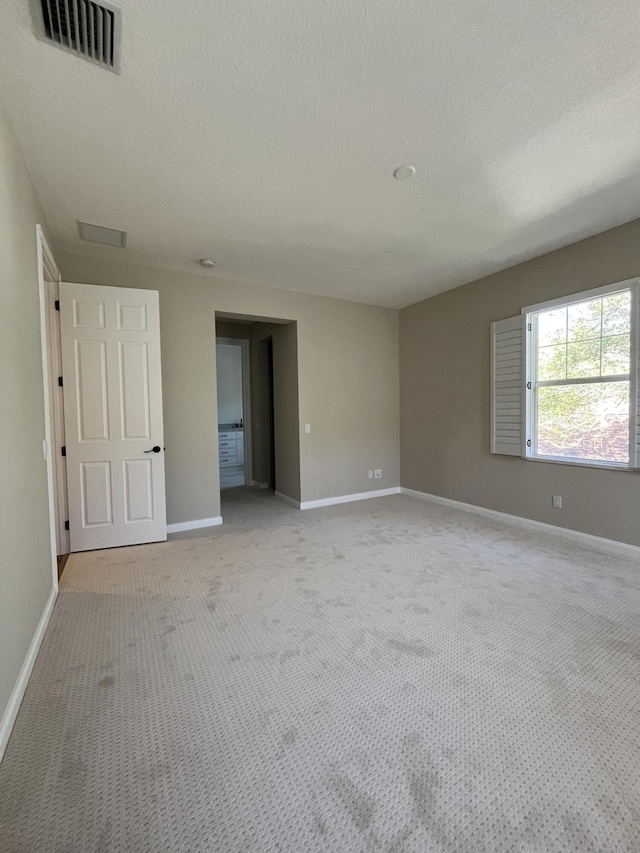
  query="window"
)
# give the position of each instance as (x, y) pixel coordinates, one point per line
(564, 380)
(580, 379)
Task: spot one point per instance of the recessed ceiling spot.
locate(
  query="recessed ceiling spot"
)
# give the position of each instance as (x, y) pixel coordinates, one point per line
(100, 234)
(207, 263)
(403, 173)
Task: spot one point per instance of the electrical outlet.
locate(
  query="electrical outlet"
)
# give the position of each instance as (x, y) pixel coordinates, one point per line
(370, 473)
(307, 427)
(378, 473)
(556, 502)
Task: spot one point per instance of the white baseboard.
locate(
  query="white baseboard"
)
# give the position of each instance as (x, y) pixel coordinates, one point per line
(344, 499)
(15, 700)
(194, 525)
(287, 499)
(599, 543)
(259, 485)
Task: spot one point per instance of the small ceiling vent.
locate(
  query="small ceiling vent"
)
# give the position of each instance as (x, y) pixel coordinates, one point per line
(90, 29)
(101, 234)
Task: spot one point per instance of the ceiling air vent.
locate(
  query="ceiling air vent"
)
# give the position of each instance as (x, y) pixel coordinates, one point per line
(101, 234)
(92, 30)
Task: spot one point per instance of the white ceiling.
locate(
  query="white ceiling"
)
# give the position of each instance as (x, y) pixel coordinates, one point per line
(265, 134)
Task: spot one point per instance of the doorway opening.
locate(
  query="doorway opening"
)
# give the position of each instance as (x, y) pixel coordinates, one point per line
(257, 396)
(234, 411)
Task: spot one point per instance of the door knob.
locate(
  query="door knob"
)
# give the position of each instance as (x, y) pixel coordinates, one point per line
(155, 449)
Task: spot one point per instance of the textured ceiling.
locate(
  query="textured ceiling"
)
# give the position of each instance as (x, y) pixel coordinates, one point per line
(265, 134)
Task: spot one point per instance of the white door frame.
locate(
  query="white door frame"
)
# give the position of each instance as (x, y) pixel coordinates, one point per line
(46, 262)
(57, 414)
(245, 344)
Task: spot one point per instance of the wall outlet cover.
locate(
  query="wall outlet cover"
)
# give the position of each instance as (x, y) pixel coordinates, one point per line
(556, 502)
(370, 474)
(378, 473)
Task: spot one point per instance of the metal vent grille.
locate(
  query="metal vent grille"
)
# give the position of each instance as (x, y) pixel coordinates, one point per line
(92, 30)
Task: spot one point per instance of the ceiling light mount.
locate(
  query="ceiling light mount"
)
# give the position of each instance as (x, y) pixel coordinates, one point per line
(403, 173)
(207, 263)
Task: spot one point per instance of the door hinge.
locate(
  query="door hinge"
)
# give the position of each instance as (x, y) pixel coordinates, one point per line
(56, 304)
(529, 386)
(66, 524)
(528, 327)
(63, 450)
(60, 383)
(528, 442)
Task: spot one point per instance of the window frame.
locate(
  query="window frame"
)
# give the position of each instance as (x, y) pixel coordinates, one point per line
(530, 336)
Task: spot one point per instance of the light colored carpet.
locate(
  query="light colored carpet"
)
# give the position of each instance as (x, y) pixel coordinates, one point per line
(381, 676)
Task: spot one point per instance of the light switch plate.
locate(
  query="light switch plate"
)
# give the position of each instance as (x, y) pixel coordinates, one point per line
(307, 427)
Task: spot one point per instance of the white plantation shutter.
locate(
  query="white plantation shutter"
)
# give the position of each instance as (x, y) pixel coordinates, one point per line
(508, 386)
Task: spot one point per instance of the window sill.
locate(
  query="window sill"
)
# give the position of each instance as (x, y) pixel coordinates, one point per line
(578, 463)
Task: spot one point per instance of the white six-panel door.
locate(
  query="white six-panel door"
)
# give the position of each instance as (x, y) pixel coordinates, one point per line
(113, 415)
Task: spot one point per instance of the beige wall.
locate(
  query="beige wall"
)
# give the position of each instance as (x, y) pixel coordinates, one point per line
(228, 329)
(348, 381)
(286, 410)
(25, 564)
(445, 393)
